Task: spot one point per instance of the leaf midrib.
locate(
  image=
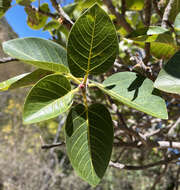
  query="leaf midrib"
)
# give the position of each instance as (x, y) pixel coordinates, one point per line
(91, 46)
(69, 93)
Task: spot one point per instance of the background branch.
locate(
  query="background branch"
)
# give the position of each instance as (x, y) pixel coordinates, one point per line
(167, 13)
(7, 59)
(64, 18)
(147, 21)
(142, 167)
(121, 21)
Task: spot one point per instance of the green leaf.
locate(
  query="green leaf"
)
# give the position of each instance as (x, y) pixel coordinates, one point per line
(144, 32)
(70, 8)
(92, 44)
(135, 5)
(36, 20)
(24, 2)
(89, 138)
(23, 80)
(50, 97)
(4, 6)
(41, 53)
(135, 91)
(177, 24)
(168, 79)
(156, 30)
(53, 24)
(162, 44)
(174, 10)
(84, 4)
(160, 50)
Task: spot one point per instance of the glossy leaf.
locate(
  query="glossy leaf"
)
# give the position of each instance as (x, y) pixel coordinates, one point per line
(168, 79)
(41, 53)
(23, 80)
(50, 97)
(92, 44)
(135, 91)
(89, 138)
(4, 6)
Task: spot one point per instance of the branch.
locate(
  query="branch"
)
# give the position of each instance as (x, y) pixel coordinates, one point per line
(142, 167)
(149, 144)
(7, 59)
(121, 21)
(158, 131)
(171, 131)
(49, 14)
(147, 12)
(53, 161)
(147, 20)
(158, 178)
(64, 18)
(167, 144)
(158, 11)
(177, 178)
(48, 146)
(123, 7)
(167, 13)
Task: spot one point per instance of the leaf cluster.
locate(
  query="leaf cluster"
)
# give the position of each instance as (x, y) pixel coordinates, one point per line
(64, 72)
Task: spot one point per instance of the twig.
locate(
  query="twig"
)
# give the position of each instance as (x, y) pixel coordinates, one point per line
(149, 144)
(48, 146)
(64, 18)
(147, 12)
(171, 131)
(142, 167)
(167, 13)
(158, 131)
(121, 21)
(123, 7)
(124, 126)
(7, 59)
(158, 11)
(147, 20)
(177, 178)
(52, 162)
(158, 178)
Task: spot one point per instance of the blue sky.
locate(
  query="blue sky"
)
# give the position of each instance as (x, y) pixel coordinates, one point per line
(16, 17)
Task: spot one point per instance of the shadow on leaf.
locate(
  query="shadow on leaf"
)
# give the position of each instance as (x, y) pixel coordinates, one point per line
(173, 66)
(135, 85)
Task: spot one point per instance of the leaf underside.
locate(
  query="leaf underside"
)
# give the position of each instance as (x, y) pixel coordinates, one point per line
(39, 52)
(89, 138)
(50, 97)
(92, 44)
(135, 91)
(168, 79)
(23, 80)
